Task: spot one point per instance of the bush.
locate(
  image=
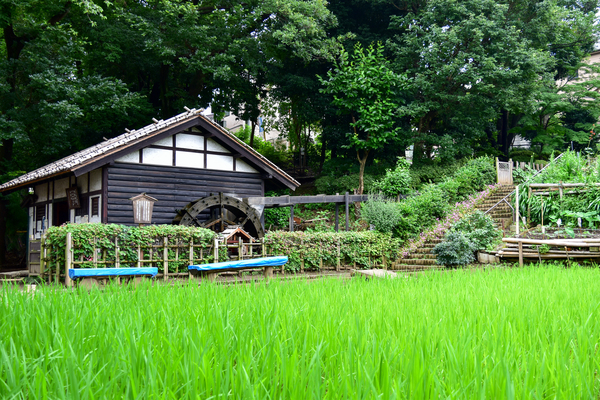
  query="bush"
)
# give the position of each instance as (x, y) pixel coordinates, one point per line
(435, 173)
(421, 210)
(479, 228)
(342, 184)
(456, 249)
(521, 155)
(396, 181)
(383, 215)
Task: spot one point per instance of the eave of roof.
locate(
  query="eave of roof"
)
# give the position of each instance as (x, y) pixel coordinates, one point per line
(106, 151)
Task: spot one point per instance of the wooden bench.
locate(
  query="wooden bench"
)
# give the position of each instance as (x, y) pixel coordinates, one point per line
(88, 276)
(210, 271)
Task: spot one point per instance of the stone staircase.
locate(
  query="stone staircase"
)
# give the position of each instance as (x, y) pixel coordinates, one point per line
(423, 257)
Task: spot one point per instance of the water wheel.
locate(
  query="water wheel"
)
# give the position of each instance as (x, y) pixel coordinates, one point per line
(224, 211)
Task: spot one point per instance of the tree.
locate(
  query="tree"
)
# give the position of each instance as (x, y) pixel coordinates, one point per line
(366, 91)
(477, 66)
(49, 105)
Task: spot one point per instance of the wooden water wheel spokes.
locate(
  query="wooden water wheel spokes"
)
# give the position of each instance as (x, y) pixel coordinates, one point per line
(221, 208)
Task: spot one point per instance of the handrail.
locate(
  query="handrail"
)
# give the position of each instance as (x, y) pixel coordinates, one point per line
(530, 178)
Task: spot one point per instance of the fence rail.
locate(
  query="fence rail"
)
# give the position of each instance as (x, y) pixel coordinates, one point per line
(172, 257)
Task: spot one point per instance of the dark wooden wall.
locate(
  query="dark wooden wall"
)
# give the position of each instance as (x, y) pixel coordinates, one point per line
(173, 187)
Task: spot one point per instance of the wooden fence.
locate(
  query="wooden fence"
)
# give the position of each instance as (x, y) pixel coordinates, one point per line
(172, 256)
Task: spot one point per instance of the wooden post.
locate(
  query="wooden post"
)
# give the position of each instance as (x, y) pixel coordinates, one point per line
(497, 171)
(543, 229)
(139, 260)
(291, 218)
(528, 208)
(42, 256)
(520, 254)
(337, 217)
(165, 258)
(339, 261)
(517, 207)
(95, 255)
(117, 258)
(347, 204)
(263, 248)
(191, 251)
(69, 259)
(560, 190)
(240, 248)
(216, 250)
(302, 255)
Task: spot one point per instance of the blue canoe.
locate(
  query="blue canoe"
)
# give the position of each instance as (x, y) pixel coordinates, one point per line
(91, 272)
(255, 262)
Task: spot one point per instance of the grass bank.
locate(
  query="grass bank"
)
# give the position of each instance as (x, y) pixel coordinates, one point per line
(519, 333)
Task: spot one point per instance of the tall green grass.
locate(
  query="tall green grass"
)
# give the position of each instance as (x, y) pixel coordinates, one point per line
(521, 333)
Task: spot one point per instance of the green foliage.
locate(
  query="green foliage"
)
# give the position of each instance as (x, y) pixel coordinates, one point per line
(584, 203)
(472, 177)
(277, 217)
(363, 248)
(365, 90)
(432, 173)
(456, 249)
(342, 184)
(479, 229)
(382, 214)
(104, 237)
(396, 181)
(421, 210)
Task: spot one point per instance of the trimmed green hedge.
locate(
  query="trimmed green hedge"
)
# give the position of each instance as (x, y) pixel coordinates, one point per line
(366, 249)
(86, 237)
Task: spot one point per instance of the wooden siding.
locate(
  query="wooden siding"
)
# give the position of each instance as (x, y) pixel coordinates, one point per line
(173, 187)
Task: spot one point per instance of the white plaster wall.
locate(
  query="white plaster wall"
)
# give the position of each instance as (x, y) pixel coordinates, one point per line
(214, 146)
(157, 156)
(190, 160)
(41, 191)
(242, 166)
(222, 163)
(133, 157)
(96, 180)
(168, 142)
(60, 187)
(186, 141)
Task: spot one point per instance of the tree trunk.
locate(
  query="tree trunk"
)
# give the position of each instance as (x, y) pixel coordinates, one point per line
(252, 134)
(361, 174)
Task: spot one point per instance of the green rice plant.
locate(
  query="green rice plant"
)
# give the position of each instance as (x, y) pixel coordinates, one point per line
(499, 333)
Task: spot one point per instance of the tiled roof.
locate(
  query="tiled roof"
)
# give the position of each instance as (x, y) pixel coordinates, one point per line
(102, 149)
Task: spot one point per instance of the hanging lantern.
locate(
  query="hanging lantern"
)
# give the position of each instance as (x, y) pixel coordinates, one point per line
(142, 208)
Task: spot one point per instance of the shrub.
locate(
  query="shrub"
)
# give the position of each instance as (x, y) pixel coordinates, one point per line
(342, 184)
(479, 228)
(396, 181)
(456, 249)
(383, 215)
(435, 173)
(277, 217)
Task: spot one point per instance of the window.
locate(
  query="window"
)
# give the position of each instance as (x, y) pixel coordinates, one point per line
(95, 206)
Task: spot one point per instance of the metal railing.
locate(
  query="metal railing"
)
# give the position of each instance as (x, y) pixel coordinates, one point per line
(504, 199)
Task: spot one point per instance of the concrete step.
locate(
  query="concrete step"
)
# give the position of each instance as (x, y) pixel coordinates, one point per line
(416, 261)
(417, 267)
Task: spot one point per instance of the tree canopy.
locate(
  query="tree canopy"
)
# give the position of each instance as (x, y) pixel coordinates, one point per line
(473, 74)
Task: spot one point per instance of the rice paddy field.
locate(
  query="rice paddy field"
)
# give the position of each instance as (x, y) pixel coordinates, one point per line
(495, 334)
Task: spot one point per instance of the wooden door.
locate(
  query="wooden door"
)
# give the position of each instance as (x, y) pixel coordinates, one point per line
(504, 171)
